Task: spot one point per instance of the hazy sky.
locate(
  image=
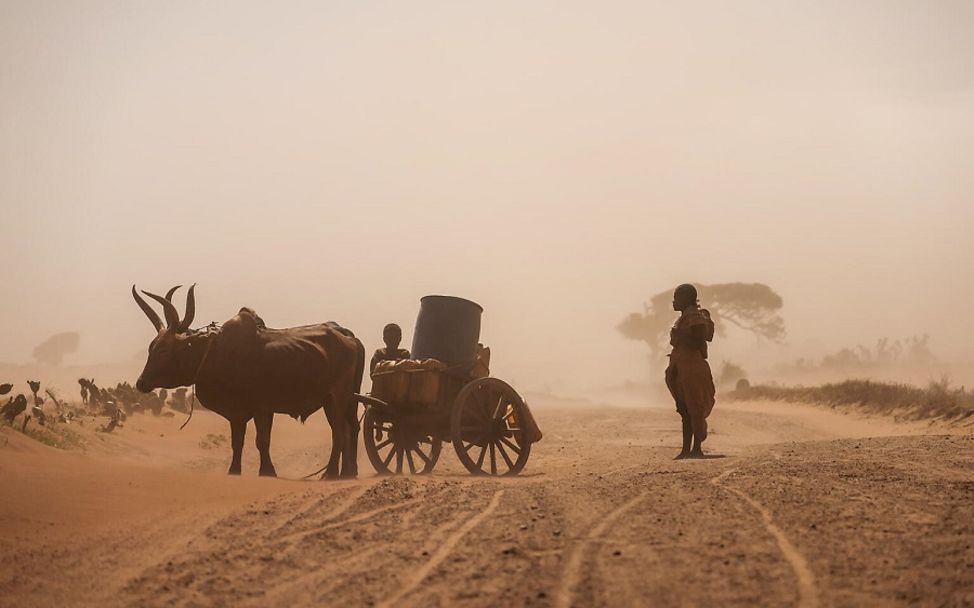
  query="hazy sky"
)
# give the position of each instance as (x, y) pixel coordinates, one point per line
(558, 162)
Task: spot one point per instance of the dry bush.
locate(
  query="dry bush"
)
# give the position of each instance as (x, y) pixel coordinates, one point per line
(55, 435)
(730, 374)
(937, 400)
(912, 352)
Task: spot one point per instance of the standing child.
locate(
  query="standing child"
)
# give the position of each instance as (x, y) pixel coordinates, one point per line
(688, 375)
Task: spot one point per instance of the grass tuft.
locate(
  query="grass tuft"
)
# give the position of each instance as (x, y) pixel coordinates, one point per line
(56, 436)
(937, 400)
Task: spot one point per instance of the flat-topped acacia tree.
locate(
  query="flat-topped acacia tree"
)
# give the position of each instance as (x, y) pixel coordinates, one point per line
(752, 307)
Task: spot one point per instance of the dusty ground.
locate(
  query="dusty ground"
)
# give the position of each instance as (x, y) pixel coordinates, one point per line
(798, 506)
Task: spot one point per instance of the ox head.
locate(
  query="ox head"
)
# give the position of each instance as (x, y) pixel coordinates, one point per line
(175, 354)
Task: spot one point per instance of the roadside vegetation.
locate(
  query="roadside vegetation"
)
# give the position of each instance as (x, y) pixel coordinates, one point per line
(56, 436)
(938, 400)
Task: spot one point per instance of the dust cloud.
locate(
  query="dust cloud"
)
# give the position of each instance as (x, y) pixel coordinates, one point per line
(558, 163)
(563, 164)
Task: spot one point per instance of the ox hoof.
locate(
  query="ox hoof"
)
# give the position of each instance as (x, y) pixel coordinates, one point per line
(330, 476)
(270, 472)
(234, 471)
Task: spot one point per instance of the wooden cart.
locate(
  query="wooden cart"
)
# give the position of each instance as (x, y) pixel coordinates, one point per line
(409, 416)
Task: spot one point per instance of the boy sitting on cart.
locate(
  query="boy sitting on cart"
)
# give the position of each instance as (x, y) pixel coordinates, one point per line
(392, 336)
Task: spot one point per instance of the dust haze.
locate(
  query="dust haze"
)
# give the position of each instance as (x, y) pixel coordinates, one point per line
(806, 165)
(558, 163)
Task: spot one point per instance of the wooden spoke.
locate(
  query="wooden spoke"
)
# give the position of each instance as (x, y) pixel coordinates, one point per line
(409, 459)
(486, 404)
(500, 448)
(423, 456)
(382, 450)
(489, 410)
(509, 444)
(497, 409)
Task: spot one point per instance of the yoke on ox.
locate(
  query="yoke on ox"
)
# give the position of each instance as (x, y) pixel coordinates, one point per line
(244, 370)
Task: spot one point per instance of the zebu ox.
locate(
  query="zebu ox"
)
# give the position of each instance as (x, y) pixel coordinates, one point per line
(245, 371)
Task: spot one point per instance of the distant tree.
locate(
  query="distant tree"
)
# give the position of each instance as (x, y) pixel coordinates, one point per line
(753, 307)
(730, 373)
(914, 350)
(52, 350)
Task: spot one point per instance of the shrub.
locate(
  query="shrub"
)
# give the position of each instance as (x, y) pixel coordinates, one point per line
(937, 400)
(730, 374)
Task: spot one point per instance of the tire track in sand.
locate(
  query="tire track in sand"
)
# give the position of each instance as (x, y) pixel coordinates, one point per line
(351, 520)
(295, 590)
(573, 568)
(443, 552)
(807, 594)
(316, 501)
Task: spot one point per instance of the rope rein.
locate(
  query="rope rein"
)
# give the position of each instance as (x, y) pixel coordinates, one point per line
(192, 401)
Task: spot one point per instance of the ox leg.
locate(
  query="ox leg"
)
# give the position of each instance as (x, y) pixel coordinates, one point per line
(350, 455)
(264, 421)
(338, 438)
(238, 428)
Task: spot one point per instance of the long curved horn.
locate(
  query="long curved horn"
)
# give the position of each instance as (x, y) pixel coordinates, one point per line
(172, 317)
(153, 317)
(190, 309)
(172, 291)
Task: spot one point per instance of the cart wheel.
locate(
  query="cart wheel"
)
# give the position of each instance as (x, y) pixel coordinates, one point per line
(487, 428)
(393, 449)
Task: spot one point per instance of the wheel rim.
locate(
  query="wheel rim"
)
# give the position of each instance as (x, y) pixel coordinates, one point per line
(488, 428)
(393, 449)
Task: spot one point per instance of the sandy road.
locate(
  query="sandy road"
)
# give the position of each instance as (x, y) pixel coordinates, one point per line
(798, 507)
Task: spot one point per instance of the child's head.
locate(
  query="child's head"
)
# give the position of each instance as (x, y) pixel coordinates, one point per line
(392, 335)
